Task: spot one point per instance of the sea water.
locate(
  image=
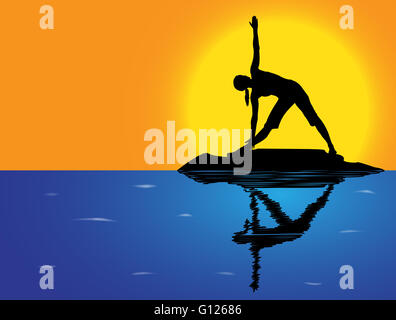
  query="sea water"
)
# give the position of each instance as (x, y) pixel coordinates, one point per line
(161, 235)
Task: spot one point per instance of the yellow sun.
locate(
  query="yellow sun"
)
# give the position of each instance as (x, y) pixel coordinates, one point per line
(324, 67)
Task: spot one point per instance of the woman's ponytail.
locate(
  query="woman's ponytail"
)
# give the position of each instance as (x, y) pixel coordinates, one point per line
(247, 97)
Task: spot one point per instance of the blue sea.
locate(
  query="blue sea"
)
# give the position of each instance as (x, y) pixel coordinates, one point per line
(161, 235)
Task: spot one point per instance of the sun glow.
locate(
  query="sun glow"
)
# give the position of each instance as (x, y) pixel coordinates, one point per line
(328, 71)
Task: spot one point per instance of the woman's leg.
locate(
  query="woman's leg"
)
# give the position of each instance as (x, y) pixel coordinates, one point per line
(274, 119)
(325, 135)
(307, 109)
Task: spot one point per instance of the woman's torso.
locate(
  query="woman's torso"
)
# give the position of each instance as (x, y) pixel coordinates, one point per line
(267, 83)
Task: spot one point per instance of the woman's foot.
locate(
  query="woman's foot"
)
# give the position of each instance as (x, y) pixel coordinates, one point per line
(332, 151)
(333, 154)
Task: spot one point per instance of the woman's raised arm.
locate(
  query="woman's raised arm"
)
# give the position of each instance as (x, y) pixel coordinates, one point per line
(256, 46)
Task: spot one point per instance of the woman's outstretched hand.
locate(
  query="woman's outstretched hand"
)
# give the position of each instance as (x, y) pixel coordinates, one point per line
(254, 23)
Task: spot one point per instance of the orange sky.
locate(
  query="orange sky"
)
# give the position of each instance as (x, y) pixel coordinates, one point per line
(81, 97)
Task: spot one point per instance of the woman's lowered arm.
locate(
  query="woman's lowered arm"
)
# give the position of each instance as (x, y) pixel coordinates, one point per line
(253, 122)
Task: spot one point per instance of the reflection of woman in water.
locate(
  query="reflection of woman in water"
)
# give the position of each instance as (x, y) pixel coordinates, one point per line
(287, 229)
(288, 92)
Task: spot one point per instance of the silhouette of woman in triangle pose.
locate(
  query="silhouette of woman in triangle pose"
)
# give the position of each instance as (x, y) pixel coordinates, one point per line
(288, 92)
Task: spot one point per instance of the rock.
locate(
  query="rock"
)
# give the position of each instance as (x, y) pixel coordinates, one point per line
(278, 168)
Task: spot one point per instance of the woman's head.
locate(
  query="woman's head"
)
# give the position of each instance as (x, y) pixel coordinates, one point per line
(242, 83)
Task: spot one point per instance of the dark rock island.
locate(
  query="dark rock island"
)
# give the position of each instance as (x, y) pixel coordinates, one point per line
(277, 168)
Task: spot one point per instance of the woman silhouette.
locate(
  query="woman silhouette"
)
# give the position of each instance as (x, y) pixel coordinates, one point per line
(288, 92)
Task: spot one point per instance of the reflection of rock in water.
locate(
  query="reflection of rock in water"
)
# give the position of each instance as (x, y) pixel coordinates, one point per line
(274, 168)
(287, 229)
(277, 168)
